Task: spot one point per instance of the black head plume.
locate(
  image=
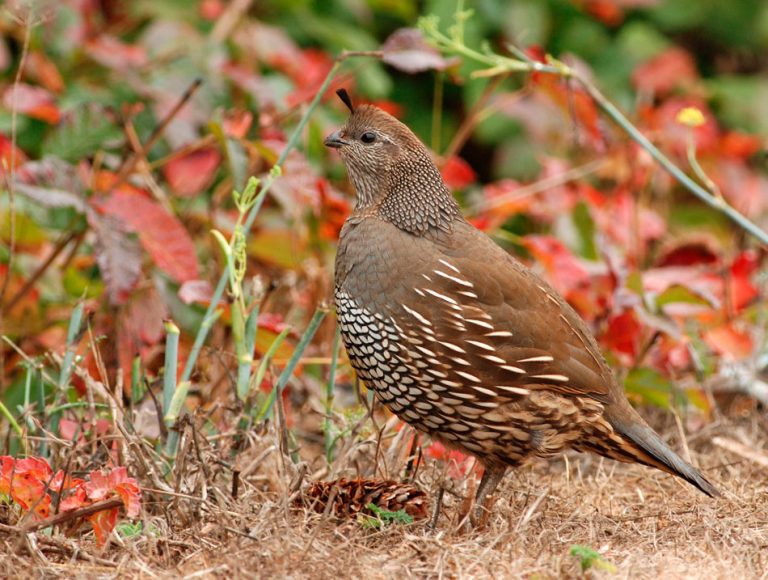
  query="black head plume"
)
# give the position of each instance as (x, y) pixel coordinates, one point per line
(344, 96)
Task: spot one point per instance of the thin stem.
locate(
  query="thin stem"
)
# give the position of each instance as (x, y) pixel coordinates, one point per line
(171, 362)
(717, 203)
(265, 187)
(329, 394)
(499, 65)
(266, 410)
(41, 269)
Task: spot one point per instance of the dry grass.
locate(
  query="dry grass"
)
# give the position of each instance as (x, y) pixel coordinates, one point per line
(645, 523)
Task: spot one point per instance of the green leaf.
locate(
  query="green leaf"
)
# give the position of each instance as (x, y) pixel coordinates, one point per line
(130, 529)
(586, 228)
(82, 133)
(650, 385)
(590, 558)
(680, 293)
(400, 516)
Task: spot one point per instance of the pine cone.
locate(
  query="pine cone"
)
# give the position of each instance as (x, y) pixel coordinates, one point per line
(350, 497)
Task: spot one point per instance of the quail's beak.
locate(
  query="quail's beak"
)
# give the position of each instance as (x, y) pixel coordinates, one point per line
(334, 140)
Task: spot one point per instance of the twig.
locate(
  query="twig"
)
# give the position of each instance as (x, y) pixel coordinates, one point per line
(713, 201)
(475, 115)
(360, 53)
(741, 450)
(501, 65)
(70, 515)
(11, 170)
(130, 163)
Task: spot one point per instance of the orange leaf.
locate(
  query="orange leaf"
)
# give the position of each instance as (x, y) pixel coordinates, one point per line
(103, 523)
(730, 342)
(43, 70)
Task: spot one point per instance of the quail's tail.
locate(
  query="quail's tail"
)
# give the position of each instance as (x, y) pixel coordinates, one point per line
(645, 446)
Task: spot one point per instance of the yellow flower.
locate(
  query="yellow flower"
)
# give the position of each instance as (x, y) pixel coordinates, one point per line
(690, 116)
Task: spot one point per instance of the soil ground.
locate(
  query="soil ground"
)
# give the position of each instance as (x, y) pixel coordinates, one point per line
(644, 523)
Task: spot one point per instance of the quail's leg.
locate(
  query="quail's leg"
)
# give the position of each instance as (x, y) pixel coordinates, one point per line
(491, 478)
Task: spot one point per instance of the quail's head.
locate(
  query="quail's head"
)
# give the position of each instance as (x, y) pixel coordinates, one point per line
(391, 168)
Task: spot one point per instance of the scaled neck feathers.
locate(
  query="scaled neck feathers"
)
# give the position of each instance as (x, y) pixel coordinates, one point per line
(416, 199)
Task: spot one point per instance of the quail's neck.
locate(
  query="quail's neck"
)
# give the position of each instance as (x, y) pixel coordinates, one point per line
(416, 199)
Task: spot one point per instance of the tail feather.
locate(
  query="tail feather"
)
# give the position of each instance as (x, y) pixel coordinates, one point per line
(650, 449)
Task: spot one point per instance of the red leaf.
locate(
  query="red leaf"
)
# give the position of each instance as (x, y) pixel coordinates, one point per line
(730, 342)
(606, 11)
(115, 482)
(211, 9)
(34, 102)
(664, 120)
(408, 51)
(574, 102)
(667, 71)
(192, 173)
(10, 154)
(622, 220)
(75, 498)
(670, 355)
(459, 463)
(688, 253)
(115, 54)
(272, 321)
(742, 291)
(457, 173)
(394, 109)
(140, 329)
(623, 334)
(128, 490)
(161, 233)
(29, 484)
(310, 73)
(334, 208)
(746, 189)
(563, 269)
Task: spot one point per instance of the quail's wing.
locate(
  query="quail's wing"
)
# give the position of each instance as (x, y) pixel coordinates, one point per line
(494, 326)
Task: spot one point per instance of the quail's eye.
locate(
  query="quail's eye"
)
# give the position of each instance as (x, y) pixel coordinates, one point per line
(368, 137)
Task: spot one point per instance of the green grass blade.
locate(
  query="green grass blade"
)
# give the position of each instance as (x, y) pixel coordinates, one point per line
(314, 324)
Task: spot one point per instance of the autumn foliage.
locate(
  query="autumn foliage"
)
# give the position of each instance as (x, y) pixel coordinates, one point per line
(126, 126)
(33, 486)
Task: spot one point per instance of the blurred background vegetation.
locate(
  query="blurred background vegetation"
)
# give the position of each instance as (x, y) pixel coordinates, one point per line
(112, 180)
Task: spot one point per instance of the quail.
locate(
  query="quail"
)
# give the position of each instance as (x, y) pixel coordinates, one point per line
(458, 338)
